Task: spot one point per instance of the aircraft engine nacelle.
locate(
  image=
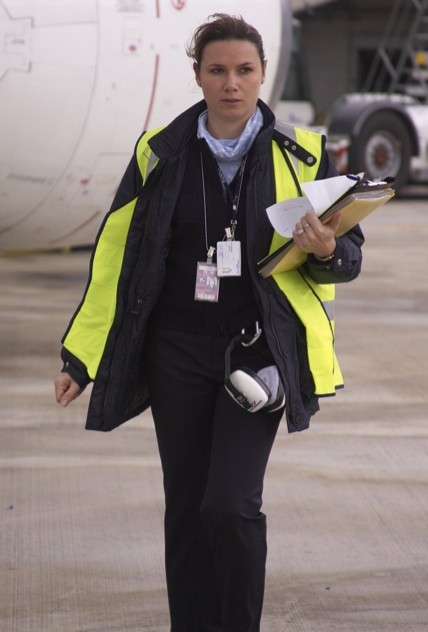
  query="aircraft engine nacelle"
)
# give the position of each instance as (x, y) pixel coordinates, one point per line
(79, 81)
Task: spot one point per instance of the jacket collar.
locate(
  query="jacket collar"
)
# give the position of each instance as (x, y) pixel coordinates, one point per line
(171, 140)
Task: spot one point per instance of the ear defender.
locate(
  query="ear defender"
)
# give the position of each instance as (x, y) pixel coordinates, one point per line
(253, 390)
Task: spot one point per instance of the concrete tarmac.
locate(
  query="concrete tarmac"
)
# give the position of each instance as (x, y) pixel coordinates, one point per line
(347, 501)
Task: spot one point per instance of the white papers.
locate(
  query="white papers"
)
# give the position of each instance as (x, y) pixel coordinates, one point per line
(323, 193)
(319, 195)
(284, 215)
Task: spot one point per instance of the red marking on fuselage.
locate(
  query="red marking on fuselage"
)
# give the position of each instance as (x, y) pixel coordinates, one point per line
(153, 93)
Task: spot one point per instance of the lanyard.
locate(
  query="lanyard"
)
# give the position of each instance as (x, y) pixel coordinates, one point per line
(229, 232)
(234, 198)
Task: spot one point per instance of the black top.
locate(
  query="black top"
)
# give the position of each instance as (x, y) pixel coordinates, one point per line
(177, 309)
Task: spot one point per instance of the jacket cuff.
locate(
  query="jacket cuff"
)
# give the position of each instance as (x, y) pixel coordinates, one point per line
(75, 369)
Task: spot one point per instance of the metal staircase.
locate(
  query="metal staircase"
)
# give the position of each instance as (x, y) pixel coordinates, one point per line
(401, 61)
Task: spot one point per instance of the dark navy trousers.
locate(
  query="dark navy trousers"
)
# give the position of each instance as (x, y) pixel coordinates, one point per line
(214, 456)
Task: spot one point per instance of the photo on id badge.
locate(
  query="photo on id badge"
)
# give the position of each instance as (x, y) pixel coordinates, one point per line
(207, 282)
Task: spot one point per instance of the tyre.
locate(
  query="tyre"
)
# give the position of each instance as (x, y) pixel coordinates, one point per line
(382, 149)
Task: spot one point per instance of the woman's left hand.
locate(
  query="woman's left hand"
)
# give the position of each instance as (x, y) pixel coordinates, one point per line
(312, 236)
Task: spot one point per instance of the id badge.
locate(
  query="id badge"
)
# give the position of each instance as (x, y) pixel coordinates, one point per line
(207, 282)
(229, 258)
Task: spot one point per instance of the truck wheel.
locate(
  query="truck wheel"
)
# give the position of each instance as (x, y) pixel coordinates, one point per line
(382, 149)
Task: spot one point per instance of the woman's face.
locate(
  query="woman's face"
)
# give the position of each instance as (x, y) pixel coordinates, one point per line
(230, 75)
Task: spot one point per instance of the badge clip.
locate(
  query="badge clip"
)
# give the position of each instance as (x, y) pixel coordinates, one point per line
(210, 255)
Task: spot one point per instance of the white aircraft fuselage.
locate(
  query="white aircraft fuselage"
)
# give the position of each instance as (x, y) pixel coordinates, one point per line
(79, 81)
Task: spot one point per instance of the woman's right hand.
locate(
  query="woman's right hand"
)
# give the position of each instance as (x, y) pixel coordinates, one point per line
(66, 389)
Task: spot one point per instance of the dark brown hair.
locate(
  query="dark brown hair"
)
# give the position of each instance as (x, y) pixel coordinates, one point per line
(220, 27)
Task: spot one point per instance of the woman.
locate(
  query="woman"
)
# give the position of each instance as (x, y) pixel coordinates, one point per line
(160, 313)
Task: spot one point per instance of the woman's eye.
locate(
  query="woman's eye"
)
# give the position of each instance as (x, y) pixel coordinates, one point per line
(246, 70)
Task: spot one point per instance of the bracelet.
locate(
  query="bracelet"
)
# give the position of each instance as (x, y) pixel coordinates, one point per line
(326, 259)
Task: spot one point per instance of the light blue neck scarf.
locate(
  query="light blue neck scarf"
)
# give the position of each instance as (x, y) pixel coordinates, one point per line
(229, 152)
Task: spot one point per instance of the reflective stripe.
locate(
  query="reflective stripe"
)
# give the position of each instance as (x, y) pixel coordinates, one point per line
(329, 309)
(146, 158)
(151, 164)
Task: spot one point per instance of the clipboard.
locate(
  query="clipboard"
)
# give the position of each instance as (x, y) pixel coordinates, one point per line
(355, 205)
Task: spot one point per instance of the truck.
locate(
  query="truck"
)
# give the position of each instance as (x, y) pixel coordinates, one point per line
(383, 130)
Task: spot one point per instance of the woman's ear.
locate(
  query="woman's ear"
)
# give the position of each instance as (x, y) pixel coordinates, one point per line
(196, 71)
(264, 70)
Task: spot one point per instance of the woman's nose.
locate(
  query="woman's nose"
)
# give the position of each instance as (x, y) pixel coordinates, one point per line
(231, 82)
